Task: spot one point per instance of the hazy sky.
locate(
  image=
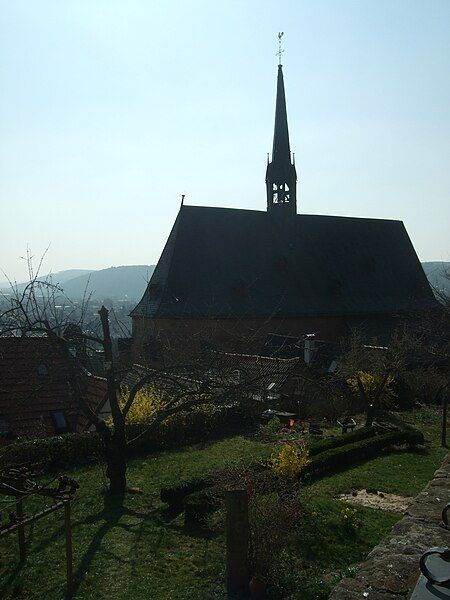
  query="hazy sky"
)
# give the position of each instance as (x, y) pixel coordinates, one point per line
(110, 110)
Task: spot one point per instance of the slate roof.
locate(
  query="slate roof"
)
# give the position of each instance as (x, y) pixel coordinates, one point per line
(234, 263)
(34, 382)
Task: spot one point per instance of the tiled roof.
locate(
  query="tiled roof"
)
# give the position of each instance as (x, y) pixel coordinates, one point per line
(258, 372)
(34, 382)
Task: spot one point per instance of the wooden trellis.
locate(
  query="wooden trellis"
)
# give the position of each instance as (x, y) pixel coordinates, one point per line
(22, 484)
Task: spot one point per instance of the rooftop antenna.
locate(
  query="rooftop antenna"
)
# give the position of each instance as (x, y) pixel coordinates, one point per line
(182, 199)
(280, 49)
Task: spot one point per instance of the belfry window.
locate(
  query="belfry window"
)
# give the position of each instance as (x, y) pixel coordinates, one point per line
(280, 193)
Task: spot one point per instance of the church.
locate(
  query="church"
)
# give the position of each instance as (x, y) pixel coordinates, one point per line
(229, 278)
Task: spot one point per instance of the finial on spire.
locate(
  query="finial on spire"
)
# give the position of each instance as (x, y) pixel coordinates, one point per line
(182, 199)
(280, 49)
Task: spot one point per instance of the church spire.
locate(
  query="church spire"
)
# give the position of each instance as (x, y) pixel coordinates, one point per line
(281, 150)
(281, 176)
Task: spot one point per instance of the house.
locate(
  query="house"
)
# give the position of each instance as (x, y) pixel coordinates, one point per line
(36, 395)
(227, 278)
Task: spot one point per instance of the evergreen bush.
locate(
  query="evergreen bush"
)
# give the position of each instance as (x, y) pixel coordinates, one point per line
(198, 505)
(342, 440)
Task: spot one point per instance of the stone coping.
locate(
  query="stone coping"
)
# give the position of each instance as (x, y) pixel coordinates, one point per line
(391, 569)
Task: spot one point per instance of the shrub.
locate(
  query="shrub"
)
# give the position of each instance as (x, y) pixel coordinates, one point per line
(342, 440)
(274, 521)
(62, 451)
(372, 384)
(289, 461)
(174, 495)
(146, 403)
(75, 449)
(198, 505)
(346, 456)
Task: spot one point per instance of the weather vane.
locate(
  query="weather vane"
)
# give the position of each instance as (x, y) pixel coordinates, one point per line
(280, 50)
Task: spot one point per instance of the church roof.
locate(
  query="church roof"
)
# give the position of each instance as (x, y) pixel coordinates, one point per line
(232, 263)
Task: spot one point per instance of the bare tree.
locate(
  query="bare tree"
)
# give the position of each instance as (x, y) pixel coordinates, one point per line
(32, 311)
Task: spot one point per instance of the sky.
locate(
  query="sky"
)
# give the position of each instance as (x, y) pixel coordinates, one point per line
(110, 110)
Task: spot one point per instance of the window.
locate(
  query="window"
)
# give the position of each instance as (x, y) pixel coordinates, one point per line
(60, 421)
(4, 426)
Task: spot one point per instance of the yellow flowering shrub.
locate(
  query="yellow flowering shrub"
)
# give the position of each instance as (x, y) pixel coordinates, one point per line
(289, 461)
(149, 401)
(371, 384)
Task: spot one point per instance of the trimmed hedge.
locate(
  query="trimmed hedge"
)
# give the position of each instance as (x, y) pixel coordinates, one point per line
(198, 505)
(77, 449)
(174, 495)
(342, 440)
(329, 455)
(346, 456)
(57, 452)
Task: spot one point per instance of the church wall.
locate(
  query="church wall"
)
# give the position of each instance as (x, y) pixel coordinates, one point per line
(243, 336)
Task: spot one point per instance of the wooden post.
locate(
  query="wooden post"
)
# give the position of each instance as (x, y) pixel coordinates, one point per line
(237, 540)
(21, 530)
(69, 566)
(444, 420)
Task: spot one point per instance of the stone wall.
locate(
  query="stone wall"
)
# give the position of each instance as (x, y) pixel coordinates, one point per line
(391, 570)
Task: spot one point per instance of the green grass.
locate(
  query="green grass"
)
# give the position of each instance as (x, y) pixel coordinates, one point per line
(325, 551)
(143, 553)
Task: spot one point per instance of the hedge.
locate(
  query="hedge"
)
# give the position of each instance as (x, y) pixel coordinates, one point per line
(345, 456)
(174, 495)
(62, 451)
(342, 440)
(77, 449)
(193, 492)
(198, 505)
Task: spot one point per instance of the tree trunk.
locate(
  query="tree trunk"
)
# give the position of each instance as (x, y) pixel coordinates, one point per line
(370, 415)
(115, 442)
(116, 462)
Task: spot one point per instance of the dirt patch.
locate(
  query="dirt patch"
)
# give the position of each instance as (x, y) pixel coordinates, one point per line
(377, 499)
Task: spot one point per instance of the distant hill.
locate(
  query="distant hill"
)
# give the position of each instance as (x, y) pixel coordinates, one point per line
(116, 283)
(438, 274)
(58, 278)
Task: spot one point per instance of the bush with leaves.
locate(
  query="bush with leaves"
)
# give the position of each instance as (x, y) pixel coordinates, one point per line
(274, 522)
(289, 461)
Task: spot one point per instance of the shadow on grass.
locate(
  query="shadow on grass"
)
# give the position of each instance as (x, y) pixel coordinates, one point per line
(111, 515)
(9, 580)
(169, 514)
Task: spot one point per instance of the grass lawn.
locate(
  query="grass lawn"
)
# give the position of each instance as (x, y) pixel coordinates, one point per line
(141, 553)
